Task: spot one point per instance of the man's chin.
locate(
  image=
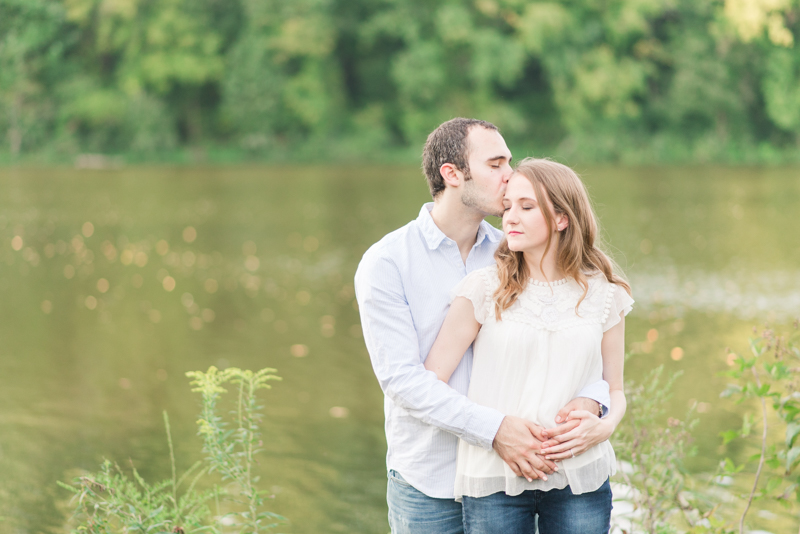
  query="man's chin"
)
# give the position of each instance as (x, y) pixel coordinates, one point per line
(494, 211)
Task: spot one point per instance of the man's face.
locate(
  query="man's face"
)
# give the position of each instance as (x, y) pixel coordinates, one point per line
(489, 170)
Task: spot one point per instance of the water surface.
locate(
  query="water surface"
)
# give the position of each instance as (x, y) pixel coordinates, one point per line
(115, 283)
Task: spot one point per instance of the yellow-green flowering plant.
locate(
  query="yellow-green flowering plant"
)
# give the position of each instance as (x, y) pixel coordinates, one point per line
(112, 501)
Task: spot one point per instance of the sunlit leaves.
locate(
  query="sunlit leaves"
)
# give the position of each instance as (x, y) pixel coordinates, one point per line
(751, 17)
(543, 25)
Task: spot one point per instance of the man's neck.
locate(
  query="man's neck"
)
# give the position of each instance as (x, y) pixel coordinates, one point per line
(457, 221)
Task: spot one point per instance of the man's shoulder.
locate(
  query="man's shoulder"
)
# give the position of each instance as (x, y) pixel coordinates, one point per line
(388, 250)
(390, 244)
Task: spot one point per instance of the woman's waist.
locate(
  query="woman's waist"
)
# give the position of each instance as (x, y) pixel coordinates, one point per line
(537, 405)
(475, 461)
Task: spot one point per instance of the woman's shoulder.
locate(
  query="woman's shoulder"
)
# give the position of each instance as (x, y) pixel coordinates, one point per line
(601, 288)
(486, 274)
(599, 279)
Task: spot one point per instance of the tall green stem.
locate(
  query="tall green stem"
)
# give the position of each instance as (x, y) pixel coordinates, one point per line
(763, 453)
(172, 463)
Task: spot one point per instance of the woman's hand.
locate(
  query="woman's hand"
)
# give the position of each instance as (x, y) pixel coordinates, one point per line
(581, 431)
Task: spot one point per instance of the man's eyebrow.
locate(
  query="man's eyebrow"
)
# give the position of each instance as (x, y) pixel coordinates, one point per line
(497, 157)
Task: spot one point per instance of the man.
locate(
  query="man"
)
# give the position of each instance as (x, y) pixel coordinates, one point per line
(403, 286)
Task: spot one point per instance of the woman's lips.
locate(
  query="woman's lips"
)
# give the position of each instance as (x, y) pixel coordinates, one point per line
(514, 233)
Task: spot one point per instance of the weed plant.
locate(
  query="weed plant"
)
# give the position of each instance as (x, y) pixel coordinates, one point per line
(664, 497)
(112, 501)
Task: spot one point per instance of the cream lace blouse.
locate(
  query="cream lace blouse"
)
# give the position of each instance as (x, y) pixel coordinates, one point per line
(530, 364)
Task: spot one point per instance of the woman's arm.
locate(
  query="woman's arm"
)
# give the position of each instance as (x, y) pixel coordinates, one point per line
(584, 430)
(458, 331)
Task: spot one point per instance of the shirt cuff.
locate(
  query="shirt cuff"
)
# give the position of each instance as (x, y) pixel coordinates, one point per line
(599, 393)
(486, 423)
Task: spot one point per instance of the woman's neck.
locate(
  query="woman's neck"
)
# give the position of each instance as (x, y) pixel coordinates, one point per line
(543, 270)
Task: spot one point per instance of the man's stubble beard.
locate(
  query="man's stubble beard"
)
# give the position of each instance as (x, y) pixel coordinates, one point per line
(472, 199)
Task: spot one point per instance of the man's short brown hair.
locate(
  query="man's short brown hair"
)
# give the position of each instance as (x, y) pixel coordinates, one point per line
(448, 144)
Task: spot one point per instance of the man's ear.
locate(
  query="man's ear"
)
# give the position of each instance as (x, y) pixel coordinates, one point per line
(562, 221)
(451, 175)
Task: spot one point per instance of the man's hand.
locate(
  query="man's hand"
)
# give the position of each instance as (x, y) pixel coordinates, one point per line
(517, 442)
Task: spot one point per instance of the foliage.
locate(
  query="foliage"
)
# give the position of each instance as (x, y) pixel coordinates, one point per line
(769, 377)
(112, 501)
(652, 458)
(231, 451)
(626, 79)
(664, 497)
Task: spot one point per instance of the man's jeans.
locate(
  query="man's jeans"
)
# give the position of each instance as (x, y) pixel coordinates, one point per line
(413, 512)
(559, 511)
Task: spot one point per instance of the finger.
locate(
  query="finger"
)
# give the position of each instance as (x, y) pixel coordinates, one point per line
(550, 433)
(540, 464)
(530, 472)
(514, 467)
(569, 436)
(548, 465)
(536, 430)
(570, 447)
(562, 414)
(560, 456)
(579, 414)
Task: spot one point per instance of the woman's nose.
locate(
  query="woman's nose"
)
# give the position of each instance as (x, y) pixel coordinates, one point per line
(511, 216)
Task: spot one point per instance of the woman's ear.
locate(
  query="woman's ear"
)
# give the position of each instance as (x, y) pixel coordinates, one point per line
(562, 221)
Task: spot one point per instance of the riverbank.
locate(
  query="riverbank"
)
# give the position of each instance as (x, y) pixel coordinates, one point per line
(617, 152)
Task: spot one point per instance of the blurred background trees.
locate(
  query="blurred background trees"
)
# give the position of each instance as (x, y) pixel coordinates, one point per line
(621, 80)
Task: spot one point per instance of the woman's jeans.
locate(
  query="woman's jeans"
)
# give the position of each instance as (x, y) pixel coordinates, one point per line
(559, 511)
(413, 512)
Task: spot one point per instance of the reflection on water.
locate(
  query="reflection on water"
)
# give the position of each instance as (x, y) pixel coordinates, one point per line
(116, 283)
(764, 296)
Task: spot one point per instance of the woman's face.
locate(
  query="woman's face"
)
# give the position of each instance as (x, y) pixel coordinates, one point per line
(523, 221)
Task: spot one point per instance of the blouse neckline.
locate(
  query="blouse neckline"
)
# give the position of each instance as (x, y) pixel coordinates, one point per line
(549, 284)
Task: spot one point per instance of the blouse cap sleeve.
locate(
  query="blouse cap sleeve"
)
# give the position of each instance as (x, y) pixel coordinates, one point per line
(475, 287)
(618, 302)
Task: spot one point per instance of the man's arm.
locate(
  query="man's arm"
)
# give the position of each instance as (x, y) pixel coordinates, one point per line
(393, 347)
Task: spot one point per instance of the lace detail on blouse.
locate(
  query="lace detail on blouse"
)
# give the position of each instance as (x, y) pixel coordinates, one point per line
(548, 306)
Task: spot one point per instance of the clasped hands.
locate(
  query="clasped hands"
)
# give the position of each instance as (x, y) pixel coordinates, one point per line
(531, 451)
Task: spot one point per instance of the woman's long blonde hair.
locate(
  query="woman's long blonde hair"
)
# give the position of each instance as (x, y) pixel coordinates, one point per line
(578, 254)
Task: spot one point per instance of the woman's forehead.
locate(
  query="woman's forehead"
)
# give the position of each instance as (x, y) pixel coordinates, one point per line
(519, 185)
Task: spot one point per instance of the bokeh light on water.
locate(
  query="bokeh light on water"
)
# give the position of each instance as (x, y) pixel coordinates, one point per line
(115, 284)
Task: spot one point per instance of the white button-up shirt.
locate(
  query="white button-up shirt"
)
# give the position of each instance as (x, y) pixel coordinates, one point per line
(403, 286)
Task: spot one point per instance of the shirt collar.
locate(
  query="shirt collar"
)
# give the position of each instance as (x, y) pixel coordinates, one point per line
(434, 236)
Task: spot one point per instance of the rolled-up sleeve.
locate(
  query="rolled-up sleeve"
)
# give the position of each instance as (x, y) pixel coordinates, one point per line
(599, 392)
(394, 351)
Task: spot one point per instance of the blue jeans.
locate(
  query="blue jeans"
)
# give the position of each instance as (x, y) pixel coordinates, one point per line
(413, 512)
(559, 511)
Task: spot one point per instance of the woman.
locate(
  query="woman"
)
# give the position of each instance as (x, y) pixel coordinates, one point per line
(547, 320)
